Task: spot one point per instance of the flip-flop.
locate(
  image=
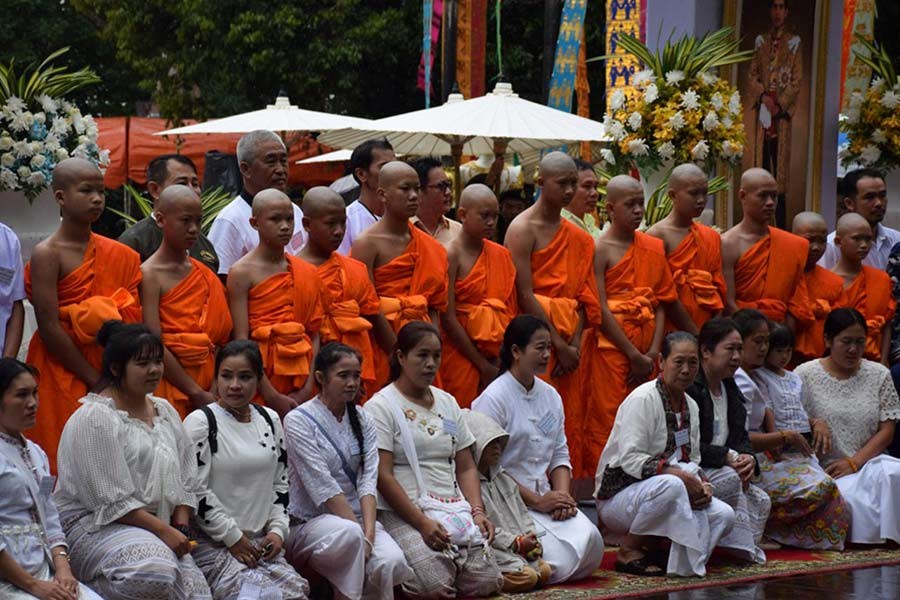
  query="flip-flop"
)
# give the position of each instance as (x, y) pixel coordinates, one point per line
(643, 567)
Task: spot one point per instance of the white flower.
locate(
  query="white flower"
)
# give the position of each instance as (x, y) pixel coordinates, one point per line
(62, 154)
(666, 150)
(614, 129)
(36, 147)
(48, 104)
(8, 159)
(643, 78)
(890, 100)
(38, 161)
(700, 151)
(83, 140)
(711, 121)
(676, 121)
(734, 103)
(617, 100)
(15, 104)
(878, 136)
(8, 180)
(690, 100)
(51, 143)
(708, 78)
(6, 143)
(22, 149)
(851, 116)
(877, 83)
(634, 120)
(103, 159)
(717, 101)
(37, 179)
(19, 122)
(870, 154)
(608, 157)
(68, 107)
(40, 117)
(856, 100)
(651, 93)
(81, 152)
(674, 77)
(59, 126)
(731, 149)
(23, 172)
(638, 147)
(727, 122)
(78, 122)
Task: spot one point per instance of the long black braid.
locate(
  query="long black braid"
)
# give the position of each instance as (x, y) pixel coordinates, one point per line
(327, 357)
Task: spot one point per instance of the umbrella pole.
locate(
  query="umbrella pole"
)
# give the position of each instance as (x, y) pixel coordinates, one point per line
(456, 155)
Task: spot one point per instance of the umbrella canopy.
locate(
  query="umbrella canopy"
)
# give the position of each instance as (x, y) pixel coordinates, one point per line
(336, 156)
(281, 116)
(473, 126)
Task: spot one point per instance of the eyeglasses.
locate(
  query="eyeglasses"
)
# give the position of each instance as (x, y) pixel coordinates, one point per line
(443, 186)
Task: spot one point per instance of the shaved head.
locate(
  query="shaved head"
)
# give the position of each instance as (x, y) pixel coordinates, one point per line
(269, 198)
(755, 178)
(555, 163)
(622, 186)
(851, 223)
(71, 170)
(475, 194)
(807, 220)
(685, 174)
(393, 171)
(478, 211)
(176, 196)
(811, 227)
(321, 199)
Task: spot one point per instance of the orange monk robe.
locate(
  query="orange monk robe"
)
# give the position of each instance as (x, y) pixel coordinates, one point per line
(870, 294)
(351, 297)
(485, 304)
(770, 277)
(408, 286)
(103, 287)
(696, 266)
(284, 311)
(194, 319)
(826, 291)
(635, 286)
(562, 276)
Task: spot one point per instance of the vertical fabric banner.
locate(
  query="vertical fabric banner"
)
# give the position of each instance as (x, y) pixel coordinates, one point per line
(432, 12)
(583, 91)
(859, 18)
(565, 63)
(623, 17)
(471, 44)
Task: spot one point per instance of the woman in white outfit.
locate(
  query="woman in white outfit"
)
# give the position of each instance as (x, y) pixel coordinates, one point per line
(34, 561)
(537, 454)
(333, 459)
(649, 481)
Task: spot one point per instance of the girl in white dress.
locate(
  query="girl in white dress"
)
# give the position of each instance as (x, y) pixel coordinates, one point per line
(333, 458)
(537, 454)
(242, 471)
(34, 561)
(858, 399)
(128, 479)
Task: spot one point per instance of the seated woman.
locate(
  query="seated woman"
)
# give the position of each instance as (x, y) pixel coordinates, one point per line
(807, 508)
(649, 482)
(537, 454)
(34, 562)
(725, 452)
(333, 460)
(422, 437)
(242, 472)
(128, 478)
(859, 401)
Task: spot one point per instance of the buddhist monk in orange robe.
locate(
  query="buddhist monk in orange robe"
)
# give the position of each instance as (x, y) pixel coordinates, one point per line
(481, 299)
(277, 300)
(184, 302)
(353, 309)
(763, 265)
(866, 289)
(76, 280)
(635, 284)
(407, 266)
(826, 290)
(555, 281)
(694, 251)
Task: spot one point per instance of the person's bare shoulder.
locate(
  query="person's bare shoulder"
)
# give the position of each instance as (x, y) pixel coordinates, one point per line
(520, 233)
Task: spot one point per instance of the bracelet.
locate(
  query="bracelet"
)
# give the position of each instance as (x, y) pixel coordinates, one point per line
(62, 553)
(477, 510)
(852, 464)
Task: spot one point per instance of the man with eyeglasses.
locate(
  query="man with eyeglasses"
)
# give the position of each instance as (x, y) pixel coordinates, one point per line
(434, 201)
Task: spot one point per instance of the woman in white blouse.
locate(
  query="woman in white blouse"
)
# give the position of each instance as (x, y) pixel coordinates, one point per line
(443, 445)
(858, 399)
(128, 477)
(333, 459)
(34, 560)
(537, 454)
(243, 495)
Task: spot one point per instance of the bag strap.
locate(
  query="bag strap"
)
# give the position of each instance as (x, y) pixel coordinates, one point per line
(212, 430)
(406, 440)
(345, 466)
(265, 415)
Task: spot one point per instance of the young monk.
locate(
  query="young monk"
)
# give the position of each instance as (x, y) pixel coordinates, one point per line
(763, 265)
(481, 299)
(353, 309)
(277, 300)
(76, 280)
(635, 285)
(694, 251)
(555, 281)
(407, 266)
(184, 303)
(866, 289)
(824, 287)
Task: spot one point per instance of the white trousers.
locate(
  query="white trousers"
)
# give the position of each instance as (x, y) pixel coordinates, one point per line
(573, 548)
(873, 495)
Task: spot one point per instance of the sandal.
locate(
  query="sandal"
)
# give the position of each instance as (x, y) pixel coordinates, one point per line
(643, 567)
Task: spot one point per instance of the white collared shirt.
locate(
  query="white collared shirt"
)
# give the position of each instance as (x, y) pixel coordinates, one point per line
(12, 277)
(885, 238)
(359, 218)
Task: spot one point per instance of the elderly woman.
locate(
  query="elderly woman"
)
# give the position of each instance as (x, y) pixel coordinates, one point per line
(242, 471)
(333, 459)
(423, 442)
(34, 562)
(537, 454)
(128, 479)
(649, 482)
(859, 401)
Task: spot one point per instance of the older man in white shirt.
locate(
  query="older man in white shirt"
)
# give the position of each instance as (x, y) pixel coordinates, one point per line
(866, 193)
(263, 159)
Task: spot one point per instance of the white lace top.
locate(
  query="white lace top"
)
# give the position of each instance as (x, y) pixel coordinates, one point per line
(853, 407)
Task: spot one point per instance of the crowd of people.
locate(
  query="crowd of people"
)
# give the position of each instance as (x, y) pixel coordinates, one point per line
(376, 397)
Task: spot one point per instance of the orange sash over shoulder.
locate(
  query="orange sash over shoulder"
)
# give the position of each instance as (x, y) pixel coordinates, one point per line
(284, 311)
(770, 277)
(696, 266)
(485, 304)
(195, 319)
(870, 294)
(103, 287)
(826, 292)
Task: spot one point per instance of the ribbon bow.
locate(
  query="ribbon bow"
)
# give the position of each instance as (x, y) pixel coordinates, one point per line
(285, 347)
(486, 323)
(86, 317)
(404, 309)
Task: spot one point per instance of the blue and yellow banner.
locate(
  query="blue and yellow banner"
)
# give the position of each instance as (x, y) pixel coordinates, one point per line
(623, 17)
(565, 63)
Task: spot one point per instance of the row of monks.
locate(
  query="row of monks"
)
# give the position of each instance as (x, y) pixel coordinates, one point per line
(608, 301)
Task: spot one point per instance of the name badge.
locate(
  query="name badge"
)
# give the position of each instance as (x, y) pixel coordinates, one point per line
(682, 437)
(450, 427)
(46, 485)
(6, 275)
(547, 424)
